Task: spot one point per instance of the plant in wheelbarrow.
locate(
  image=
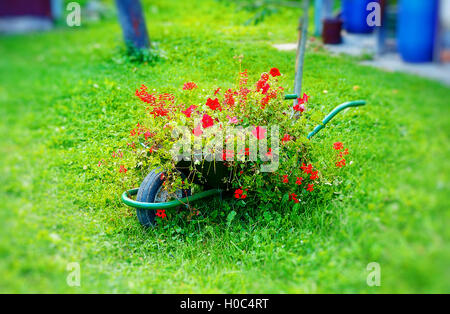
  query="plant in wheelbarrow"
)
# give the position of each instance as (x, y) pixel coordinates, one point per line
(246, 143)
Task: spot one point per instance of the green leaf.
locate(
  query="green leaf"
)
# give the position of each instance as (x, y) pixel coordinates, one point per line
(230, 217)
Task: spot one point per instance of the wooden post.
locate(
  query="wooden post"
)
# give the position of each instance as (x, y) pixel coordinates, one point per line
(133, 25)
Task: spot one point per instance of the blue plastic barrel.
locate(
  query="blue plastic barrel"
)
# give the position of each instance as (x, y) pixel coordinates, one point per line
(416, 30)
(354, 15)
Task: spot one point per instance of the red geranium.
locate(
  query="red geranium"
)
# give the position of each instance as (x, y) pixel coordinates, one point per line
(303, 100)
(338, 145)
(306, 168)
(340, 163)
(189, 86)
(213, 104)
(259, 132)
(299, 107)
(197, 131)
(161, 213)
(286, 138)
(239, 194)
(275, 72)
(293, 197)
(207, 121)
(189, 111)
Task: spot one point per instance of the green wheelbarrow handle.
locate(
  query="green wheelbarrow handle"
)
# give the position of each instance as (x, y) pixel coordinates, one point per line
(182, 201)
(335, 111)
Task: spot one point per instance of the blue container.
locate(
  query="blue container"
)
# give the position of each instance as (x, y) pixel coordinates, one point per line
(354, 15)
(416, 30)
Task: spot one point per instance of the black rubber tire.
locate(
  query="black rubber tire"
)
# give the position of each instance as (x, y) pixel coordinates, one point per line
(147, 193)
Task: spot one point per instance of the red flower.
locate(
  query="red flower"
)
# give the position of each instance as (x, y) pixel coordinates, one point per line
(264, 102)
(144, 96)
(299, 181)
(161, 213)
(275, 72)
(259, 132)
(310, 187)
(227, 153)
(189, 86)
(303, 100)
(166, 96)
(239, 194)
(217, 91)
(133, 132)
(314, 175)
(228, 97)
(197, 131)
(269, 153)
(338, 146)
(243, 78)
(159, 112)
(123, 169)
(262, 83)
(299, 107)
(207, 121)
(285, 178)
(293, 197)
(306, 169)
(265, 88)
(189, 111)
(213, 104)
(286, 138)
(340, 163)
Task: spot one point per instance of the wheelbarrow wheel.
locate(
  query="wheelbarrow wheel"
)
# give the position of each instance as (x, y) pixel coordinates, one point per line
(151, 191)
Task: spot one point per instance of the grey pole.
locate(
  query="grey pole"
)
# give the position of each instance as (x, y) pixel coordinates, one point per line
(132, 20)
(301, 53)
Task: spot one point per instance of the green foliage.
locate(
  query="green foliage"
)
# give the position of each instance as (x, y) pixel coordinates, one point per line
(141, 55)
(66, 98)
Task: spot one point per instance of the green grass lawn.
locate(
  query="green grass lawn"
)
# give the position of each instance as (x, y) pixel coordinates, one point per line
(67, 97)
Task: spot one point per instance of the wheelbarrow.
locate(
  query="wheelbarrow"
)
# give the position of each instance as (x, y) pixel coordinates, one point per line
(151, 195)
